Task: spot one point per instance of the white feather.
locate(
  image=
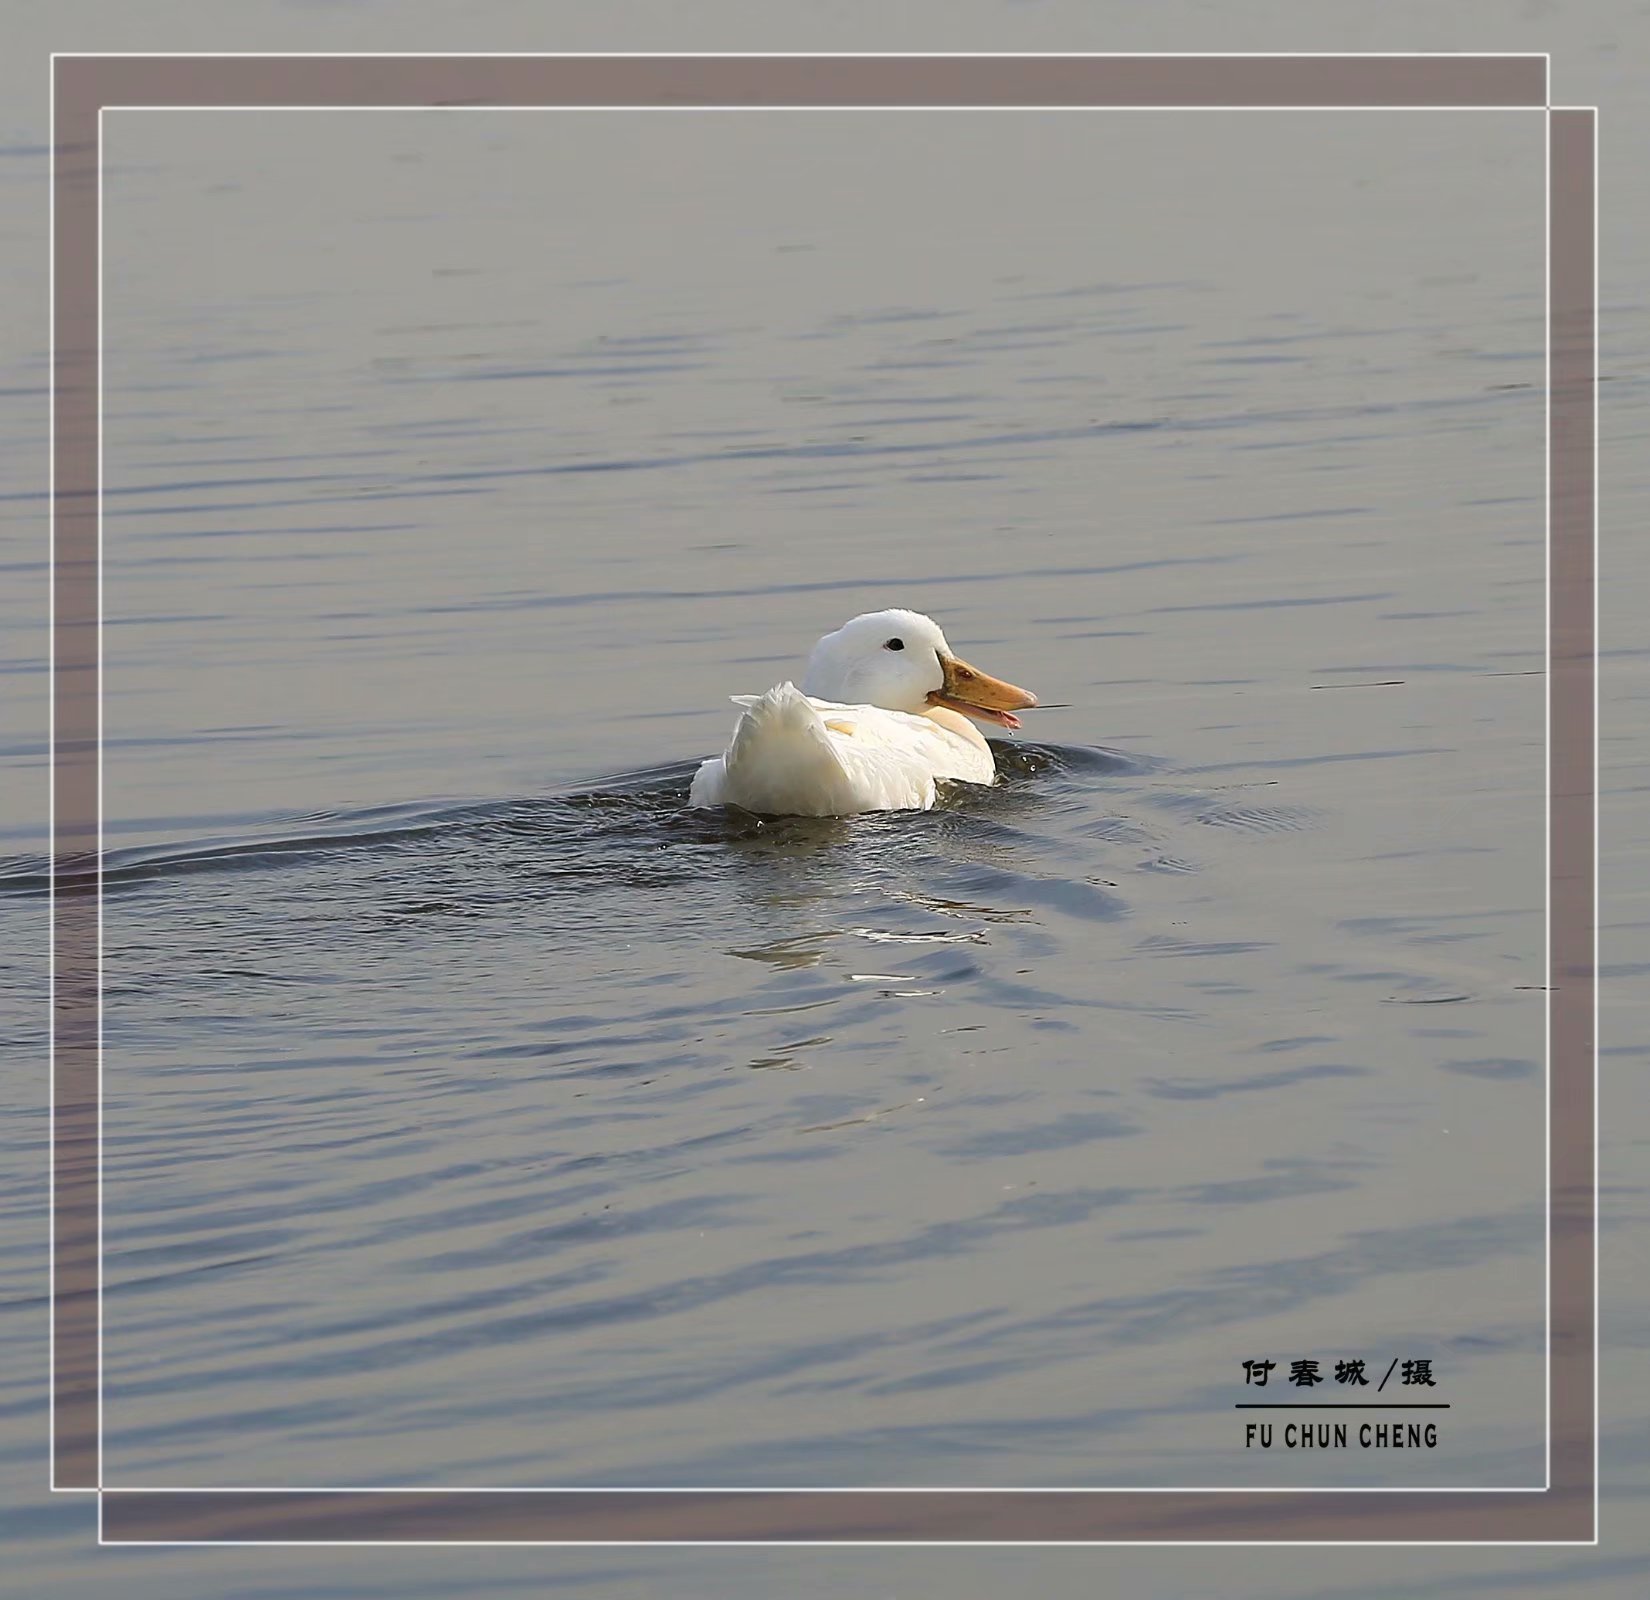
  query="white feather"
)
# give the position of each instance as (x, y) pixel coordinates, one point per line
(798, 757)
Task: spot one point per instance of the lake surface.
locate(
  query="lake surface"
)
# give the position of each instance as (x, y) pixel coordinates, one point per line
(477, 1114)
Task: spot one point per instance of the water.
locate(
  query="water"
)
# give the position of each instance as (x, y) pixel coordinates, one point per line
(476, 1114)
(554, 1138)
(470, 1123)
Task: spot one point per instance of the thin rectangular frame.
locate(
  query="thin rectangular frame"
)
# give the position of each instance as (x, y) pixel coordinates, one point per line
(86, 85)
(104, 152)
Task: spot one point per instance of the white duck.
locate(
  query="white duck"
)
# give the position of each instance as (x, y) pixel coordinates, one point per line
(880, 720)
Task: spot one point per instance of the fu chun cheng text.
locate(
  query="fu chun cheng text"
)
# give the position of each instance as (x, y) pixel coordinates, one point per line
(1340, 1435)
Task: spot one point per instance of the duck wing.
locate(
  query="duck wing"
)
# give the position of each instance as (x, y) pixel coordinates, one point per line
(781, 761)
(900, 756)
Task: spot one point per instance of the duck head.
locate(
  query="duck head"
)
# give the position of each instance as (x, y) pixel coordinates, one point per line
(899, 660)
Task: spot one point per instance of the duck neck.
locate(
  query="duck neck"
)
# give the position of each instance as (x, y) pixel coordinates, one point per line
(955, 722)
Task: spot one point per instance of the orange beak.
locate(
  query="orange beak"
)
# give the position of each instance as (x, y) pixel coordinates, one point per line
(977, 694)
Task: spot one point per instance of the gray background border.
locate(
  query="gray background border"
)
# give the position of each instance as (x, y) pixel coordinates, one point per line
(84, 84)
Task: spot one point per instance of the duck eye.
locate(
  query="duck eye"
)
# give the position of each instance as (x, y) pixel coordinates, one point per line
(894, 644)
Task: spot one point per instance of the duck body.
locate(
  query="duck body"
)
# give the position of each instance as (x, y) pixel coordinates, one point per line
(794, 756)
(882, 720)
